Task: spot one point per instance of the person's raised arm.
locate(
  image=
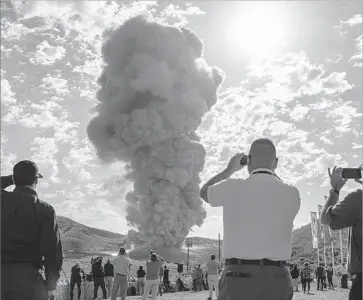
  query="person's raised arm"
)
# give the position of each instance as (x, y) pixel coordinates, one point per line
(51, 248)
(6, 181)
(344, 213)
(234, 165)
(338, 215)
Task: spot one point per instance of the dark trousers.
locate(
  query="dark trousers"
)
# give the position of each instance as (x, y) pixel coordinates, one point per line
(330, 282)
(22, 281)
(344, 281)
(306, 283)
(247, 280)
(356, 290)
(320, 283)
(99, 282)
(73, 283)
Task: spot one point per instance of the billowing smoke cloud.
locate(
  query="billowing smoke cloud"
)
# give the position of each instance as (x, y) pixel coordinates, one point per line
(155, 88)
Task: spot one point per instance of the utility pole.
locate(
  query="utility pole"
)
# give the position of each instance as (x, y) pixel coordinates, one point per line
(189, 244)
(219, 247)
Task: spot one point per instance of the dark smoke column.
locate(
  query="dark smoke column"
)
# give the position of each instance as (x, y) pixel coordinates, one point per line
(154, 90)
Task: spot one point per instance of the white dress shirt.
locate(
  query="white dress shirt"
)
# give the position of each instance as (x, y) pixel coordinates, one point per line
(258, 215)
(121, 265)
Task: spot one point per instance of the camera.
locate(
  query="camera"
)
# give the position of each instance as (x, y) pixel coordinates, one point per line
(244, 160)
(352, 173)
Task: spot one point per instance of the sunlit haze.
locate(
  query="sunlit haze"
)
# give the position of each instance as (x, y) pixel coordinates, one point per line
(257, 30)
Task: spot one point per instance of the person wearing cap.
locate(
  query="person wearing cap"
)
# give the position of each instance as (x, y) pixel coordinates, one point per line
(122, 272)
(258, 216)
(30, 238)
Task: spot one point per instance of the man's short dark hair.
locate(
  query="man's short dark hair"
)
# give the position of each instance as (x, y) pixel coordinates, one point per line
(154, 257)
(25, 172)
(122, 251)
(213, 257)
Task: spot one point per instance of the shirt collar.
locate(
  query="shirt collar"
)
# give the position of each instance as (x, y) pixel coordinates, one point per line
(25, 190)
(262, 170)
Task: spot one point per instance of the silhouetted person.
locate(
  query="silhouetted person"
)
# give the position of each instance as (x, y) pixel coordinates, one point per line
(199, 278)
(329, 275)
(306, 277)
(141, 280)
(213, 278)
(98, 278)
(30, 239)
(295, 272)
(76, 279)
(319, 276)
(109, 274)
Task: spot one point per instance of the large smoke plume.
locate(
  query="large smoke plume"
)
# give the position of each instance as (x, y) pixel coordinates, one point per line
(155, 89)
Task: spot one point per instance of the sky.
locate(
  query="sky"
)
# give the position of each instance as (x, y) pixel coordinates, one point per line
(293, 74)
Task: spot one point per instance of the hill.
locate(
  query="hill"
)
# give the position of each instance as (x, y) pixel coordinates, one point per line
(302, 245)
(81, 240)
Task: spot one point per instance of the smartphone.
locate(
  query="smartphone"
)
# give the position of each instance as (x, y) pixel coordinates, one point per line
(244, 160)
(352, 173)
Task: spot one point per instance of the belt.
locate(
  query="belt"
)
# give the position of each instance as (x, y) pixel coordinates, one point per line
(121, 274)
(259, 262)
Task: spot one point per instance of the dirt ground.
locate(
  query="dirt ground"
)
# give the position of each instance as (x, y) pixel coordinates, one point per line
(338, 294)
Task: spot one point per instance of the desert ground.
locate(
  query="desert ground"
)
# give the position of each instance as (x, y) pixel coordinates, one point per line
(338, 294)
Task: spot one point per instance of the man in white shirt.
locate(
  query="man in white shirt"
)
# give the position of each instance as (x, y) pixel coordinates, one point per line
(258, 215)
(122, 269)
(213, 270)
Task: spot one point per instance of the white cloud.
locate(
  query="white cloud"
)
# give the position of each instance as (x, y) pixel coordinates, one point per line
(353, 21)
(76, 161)
(176, 14)
(357, 58)
(56, 85)
(47, 54)
(44, 151)
(7, 96)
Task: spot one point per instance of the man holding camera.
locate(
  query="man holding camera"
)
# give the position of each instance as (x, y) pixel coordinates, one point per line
(258, 215)
(343, 214)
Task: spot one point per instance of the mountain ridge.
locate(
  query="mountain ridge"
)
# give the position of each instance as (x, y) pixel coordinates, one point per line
(79, 239)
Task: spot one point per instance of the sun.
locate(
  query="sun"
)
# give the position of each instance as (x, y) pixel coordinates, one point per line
(260, 30)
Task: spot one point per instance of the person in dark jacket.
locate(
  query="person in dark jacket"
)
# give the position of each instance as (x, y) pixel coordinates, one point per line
(295, 277)
(329, 275)
(98, 277)
(166, 279)
(30, 239)
(141, 280)
(76, 279)
(109, 274)
(319, 275)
